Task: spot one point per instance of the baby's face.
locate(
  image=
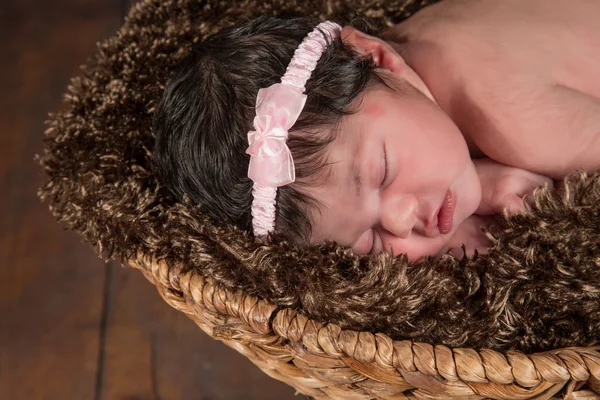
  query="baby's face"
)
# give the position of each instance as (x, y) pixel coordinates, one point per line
(426, 156)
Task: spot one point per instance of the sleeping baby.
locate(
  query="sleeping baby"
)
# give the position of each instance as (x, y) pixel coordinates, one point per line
(402, 142)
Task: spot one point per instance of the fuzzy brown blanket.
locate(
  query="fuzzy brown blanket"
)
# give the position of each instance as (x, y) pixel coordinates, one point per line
(537, 289)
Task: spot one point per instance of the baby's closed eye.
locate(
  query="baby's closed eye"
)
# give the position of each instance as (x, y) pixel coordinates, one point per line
(365, 242)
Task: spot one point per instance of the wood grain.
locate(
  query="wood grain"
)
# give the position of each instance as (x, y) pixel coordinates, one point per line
(51, 291)
(156, 352)
(71, 326)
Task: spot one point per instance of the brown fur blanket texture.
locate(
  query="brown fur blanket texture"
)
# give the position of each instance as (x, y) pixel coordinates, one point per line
(537, 289)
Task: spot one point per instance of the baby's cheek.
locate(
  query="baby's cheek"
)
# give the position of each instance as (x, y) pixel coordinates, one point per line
(374, 110)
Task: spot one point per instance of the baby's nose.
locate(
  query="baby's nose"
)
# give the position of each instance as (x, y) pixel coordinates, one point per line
(400, 215)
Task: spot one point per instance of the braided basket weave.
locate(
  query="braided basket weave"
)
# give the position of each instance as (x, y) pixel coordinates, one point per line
(307, 322)
(324, 361)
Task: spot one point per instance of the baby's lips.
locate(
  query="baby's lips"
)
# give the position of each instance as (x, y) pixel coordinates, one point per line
(446, 213)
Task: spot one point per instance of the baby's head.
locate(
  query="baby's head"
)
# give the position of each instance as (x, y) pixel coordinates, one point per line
(365, 110)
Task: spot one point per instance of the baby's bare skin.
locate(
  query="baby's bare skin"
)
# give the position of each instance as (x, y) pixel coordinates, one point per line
(505, 80)
(521, 79)
(504, 189)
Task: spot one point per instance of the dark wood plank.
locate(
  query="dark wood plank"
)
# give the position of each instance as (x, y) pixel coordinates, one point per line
(51, 286)
(156, 352)
(72, 327)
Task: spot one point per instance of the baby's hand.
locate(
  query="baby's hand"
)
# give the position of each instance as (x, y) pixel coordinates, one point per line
(503, 187)
(469, 233)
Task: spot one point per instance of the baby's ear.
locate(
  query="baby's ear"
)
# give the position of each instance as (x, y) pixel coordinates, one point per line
(383, 54)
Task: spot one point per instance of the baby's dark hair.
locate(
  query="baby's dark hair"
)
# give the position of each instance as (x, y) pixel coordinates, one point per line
(208, 106)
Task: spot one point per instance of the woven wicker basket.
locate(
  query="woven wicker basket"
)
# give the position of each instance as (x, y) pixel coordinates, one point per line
(326, 362)
(97, 156)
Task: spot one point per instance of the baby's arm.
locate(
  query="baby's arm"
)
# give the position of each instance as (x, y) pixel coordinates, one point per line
(502, 187)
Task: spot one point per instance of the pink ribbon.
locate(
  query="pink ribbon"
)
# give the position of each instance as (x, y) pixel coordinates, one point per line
(278, 108)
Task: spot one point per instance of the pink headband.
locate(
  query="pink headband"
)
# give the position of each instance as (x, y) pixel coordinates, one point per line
(277, 109)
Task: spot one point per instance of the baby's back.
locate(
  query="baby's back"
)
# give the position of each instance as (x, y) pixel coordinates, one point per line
(555, 40)
(520, 78)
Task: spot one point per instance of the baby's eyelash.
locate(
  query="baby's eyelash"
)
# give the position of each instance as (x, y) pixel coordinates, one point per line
(386, 167)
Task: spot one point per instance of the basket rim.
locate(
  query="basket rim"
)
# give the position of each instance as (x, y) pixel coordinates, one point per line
(248, 319)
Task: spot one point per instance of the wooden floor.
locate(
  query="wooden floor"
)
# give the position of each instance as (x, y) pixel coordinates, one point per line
(71, 326)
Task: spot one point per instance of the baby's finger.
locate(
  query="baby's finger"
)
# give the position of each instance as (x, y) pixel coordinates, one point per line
(512, 204)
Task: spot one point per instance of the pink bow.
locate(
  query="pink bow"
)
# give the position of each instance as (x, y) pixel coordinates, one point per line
(277, 109)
